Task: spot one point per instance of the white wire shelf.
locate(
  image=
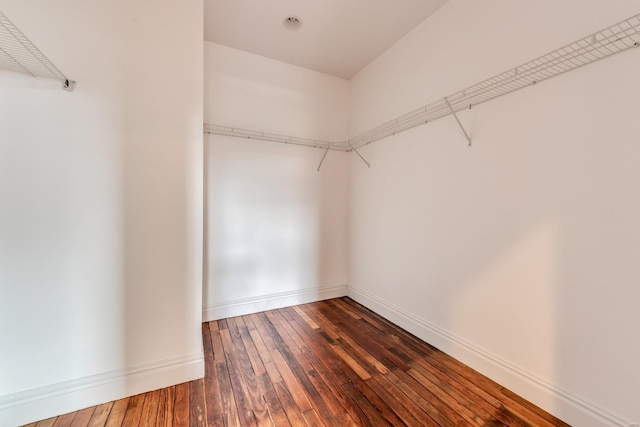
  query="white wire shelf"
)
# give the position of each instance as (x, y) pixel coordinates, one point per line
(602, 44)
(18, 54)
(617, 38)
(274, 137)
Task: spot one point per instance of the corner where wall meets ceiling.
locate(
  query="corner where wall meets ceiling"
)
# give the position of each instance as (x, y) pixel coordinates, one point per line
(334, 37)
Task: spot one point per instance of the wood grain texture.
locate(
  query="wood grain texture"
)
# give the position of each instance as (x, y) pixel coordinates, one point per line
(330, 363)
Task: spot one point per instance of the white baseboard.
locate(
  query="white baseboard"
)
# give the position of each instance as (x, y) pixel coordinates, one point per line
(563, 404)
(68, 396)
(240, 307)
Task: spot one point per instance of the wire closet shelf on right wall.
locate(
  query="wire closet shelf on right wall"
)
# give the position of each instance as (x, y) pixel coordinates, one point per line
(602, 44)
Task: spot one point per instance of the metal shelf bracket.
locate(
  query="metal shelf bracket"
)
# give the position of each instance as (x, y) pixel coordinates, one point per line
(18, 54)
(359, 155)
(69, 85)
(322, 159)
(458, 120)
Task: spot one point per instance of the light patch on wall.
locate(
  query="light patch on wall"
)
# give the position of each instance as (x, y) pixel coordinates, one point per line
(520, 280)
(264, 227)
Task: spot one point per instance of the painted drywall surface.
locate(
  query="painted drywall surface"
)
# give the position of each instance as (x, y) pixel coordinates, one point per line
(100, 204)
(525, 245)
(274, 223)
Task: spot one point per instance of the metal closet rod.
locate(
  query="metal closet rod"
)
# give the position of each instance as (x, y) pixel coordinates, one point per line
(19, 54)
(604, 43)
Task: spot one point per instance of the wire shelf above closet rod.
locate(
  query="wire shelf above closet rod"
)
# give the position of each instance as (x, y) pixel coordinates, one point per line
(20, 55)
(602, 44)
(274, 137)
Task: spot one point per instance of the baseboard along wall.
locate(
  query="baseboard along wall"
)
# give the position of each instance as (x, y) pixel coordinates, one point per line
(240, 307)
(43, 402)
(56, 399)
(562, 403)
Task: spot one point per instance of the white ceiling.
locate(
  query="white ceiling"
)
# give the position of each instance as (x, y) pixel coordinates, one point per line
(338, 37)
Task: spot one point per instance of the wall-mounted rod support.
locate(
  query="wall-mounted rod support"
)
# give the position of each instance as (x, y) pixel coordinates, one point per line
(322, 160)
(20, 55)
(360, 155)
(69, 85)
(458, 120)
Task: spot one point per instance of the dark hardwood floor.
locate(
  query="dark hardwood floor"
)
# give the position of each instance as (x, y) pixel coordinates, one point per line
(330, 363)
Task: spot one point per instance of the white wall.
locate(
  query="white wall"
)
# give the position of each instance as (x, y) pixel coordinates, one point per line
(518, 255)
(276, 229)
(100, 206)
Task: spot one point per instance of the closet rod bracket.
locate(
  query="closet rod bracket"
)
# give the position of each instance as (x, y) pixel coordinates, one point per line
(323, 156)
(359, 155)
(69, 85)
(458, 120)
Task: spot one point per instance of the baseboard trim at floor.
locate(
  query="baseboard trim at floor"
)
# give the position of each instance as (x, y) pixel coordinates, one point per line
(68, 396)
(563, 404)
(240, 307)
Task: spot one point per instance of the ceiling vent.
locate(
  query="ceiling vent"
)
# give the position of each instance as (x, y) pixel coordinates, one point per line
(292, 23)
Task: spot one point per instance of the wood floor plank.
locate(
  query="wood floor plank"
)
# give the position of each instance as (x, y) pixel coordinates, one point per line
(243, 400)
(213, 399)
(149, 413)
(312, 419)
(229, 408)
(101, 414)
(373, 417)
(288, 377)
(313, 311)
(418, 413)
(432, 411)
(263, 351)
(370, 359)
(83, 417)
(291, 347)
(334, 372)
(395, 405)
(49, 422)
(325, 349)
(307, 319)
(181, 405)
(327, 363)
(247, 374)
(316, 371)
(274, 407)
(165, 407)
(65, 420)
(116, 415)
(292, 411)
(197, 409)
(134, 411)
(471, 418)
(315, 385)
(362, 333)
(451, 388)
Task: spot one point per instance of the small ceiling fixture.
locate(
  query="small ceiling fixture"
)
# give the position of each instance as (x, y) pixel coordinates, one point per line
(291, 23)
